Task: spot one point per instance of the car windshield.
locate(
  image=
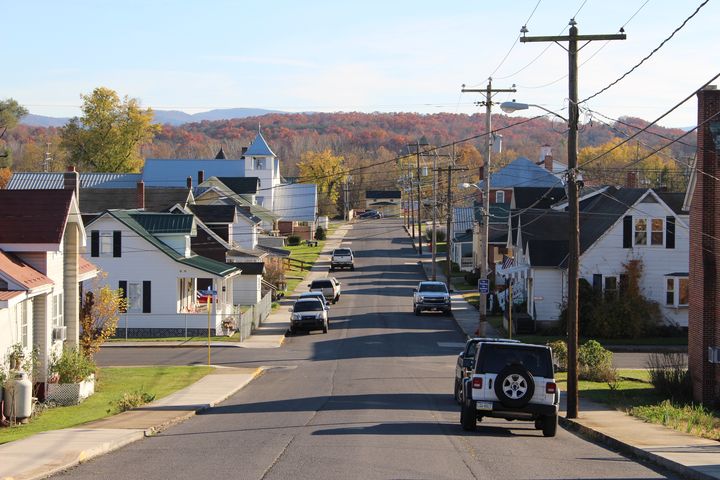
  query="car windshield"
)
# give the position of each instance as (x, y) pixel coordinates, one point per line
(309, 306)
(495, 357)
(317, 295)
(342, 251)
(321, 284)
(433, 287)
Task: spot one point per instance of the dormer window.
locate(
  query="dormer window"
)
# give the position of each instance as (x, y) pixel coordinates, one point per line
(259, 164)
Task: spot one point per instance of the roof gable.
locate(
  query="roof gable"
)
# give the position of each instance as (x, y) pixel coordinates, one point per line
(15, 270)
(241, 185)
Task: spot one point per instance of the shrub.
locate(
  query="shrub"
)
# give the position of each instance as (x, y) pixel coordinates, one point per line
(72, 366)
(559, 350)
(440, 235)
(669, 376)
(128, 401)
(293, 241)
(595, 363)
(320, 233)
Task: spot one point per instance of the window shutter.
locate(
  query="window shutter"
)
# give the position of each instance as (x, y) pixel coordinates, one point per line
(95, 243)
(122, 285)
(627, 231)
(597, 282)
(117, 244)
(146, 296)
(670, 232)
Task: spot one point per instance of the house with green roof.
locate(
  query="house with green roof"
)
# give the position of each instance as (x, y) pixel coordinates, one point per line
(149, 256)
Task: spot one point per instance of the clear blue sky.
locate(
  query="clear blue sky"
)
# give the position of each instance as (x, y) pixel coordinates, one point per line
(392, 55)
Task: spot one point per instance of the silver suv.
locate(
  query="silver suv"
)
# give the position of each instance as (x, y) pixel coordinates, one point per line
(514, 381)
(431, 296)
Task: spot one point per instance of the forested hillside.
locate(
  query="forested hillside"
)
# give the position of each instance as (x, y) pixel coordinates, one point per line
(363, 139)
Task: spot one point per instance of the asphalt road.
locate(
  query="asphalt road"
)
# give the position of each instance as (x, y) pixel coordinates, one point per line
(369, 400)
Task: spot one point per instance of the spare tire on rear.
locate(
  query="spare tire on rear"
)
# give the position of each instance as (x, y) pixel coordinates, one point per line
(514, 386)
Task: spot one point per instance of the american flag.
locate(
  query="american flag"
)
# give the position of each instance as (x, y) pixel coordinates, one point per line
(507, 262)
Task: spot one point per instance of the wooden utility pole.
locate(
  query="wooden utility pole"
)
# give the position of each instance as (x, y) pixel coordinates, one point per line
(484, 229)
(450, 169)
(573, 204)
(419, 198)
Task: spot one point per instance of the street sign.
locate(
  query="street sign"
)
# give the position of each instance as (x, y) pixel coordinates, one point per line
(483, 285)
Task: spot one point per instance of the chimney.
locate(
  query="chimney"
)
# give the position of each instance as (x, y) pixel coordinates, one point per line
(140, 194)
(244, 149)
(631, 180)
(548, 161)
(71, 181)
(189, 182)
(201, 176)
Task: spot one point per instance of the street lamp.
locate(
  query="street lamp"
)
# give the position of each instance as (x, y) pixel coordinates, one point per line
(512, 107)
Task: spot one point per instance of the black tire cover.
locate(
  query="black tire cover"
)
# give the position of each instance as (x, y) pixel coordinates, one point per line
(524, 377)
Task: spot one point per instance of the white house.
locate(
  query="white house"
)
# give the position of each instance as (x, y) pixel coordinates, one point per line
(40, 270)
(620, 225)
(148, 256)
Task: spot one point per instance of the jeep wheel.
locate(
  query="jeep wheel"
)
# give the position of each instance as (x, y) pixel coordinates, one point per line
(458, 392)
(549, 425)
(468, 416)
(514, 386)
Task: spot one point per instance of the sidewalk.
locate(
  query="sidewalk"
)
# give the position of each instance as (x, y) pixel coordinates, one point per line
(687, 455)
(271, 332)
(50, 452)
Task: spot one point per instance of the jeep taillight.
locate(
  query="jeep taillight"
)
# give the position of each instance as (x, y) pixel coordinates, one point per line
(477, 382)
(550, 388)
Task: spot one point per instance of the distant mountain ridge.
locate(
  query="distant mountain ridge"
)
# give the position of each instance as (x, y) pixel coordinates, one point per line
(169, 117)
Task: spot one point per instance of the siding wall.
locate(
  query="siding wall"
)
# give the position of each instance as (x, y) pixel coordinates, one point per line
(549, 284)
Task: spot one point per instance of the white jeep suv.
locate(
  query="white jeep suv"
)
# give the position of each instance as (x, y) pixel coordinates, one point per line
(514, 381)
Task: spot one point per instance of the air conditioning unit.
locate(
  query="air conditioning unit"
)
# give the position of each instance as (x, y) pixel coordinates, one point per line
(714, 354)
(59, 334)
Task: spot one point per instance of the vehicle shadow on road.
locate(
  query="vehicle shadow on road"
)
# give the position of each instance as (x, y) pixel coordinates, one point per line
(428, 428)
(373, 401)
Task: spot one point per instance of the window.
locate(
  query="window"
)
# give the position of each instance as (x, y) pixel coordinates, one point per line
(676, 291)
(106, 244)
(610, 287)
(134, 297)
(500, 196)
(57, 310)
(640, 231)
(21, 311)
(259, 164)
(259, 201)
(658, 231)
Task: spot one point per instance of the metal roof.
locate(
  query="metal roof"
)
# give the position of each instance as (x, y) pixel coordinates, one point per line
(522, 172)
(160, 172)
(462, 219)
(160, 223)
(259, 148)
(382, 194)
(54, 180)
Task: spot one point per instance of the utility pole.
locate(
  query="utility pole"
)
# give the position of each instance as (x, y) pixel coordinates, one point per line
(419, 197)
(412, 203)
(573, 204)
(484, 230)
(450, 169)
(434, 218)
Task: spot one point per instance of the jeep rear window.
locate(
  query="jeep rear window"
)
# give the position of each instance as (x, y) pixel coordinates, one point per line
(494, 357)
(322, 284)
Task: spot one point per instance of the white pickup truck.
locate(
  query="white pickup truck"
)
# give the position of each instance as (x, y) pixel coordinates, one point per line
(342, 258)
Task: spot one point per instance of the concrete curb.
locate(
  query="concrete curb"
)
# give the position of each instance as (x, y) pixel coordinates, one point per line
(631, 450)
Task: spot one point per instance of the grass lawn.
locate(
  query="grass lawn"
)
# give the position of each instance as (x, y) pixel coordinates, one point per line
(634, 394)
(111, 384)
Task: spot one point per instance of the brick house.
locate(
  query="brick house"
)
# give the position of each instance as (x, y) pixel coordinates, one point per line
(704, 192)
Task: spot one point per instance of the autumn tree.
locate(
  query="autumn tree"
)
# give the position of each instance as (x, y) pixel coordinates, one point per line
(99, 317)
(109, 134)
(10, 113)
(326, 171)
(5, 174)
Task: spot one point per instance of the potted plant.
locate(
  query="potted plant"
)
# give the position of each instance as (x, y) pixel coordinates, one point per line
(75, 374)
(229, 326)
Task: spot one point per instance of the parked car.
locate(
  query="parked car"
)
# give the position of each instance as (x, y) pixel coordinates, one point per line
(308, 314)
(330, 287)
(431, 296)
(514, 381)
(466, 362)
(370, 214)
(318, 295)
(342, 258)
